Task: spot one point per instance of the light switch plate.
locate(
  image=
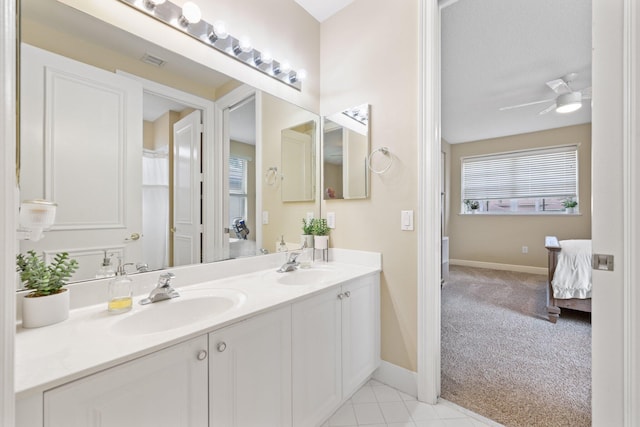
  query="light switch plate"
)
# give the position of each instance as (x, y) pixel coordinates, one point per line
(265, 217)
(331, 219)
(406, 220)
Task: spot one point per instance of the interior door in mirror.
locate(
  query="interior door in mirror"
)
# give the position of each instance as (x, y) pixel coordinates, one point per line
(298, 163)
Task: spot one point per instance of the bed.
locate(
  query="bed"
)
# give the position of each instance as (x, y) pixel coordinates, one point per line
(569, 284)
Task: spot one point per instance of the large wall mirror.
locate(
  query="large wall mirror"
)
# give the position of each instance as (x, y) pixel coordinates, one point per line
(129, 139)
(345, 149)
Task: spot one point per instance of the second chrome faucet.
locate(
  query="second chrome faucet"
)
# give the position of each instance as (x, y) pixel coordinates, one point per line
(162, 291)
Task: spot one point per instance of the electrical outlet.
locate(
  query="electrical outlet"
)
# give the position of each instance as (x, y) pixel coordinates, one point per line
(525, 249)
(331, 219)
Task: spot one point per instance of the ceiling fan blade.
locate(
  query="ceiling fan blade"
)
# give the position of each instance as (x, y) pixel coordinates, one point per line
(511, 107)
(548, 109)
(559, 86)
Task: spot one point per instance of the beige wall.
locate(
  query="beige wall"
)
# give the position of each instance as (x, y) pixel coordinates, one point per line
(500, 238)
(332, 178)
(284, 218)
(361, 65)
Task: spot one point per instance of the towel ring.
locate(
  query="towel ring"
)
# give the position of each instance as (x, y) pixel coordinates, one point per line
(385, 151)
(271, 176)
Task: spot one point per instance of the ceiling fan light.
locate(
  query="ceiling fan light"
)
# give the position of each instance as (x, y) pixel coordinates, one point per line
(569, 102)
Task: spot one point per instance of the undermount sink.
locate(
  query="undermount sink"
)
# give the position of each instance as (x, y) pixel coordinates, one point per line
(307, 276)
(190, 307)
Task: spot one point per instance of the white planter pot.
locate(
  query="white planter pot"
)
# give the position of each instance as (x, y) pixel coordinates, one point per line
(321, 242)
(570, 210)
(43, 311)
(308, 238)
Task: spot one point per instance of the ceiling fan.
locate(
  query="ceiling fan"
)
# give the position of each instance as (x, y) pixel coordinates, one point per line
(567, 99)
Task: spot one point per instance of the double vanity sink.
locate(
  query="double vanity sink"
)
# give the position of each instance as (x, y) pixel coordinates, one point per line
(212, 296)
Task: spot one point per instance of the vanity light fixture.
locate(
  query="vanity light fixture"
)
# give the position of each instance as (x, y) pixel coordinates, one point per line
(359, 113)
(188, 19)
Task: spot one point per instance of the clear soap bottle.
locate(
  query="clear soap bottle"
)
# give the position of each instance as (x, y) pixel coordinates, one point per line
(106, 269)
(120, 291)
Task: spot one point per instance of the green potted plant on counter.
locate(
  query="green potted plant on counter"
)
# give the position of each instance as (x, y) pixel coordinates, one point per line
(472, 205)
(320, 232)
(307, 231)
(570, 205)
(48, 301)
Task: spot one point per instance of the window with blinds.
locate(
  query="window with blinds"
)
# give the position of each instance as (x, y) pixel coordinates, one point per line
(525, 181)
(237, 188)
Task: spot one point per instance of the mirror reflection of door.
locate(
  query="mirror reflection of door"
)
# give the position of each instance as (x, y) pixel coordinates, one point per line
(74, 111)
(187, 190)
(172, 145)
(297, 163)
(243, 229)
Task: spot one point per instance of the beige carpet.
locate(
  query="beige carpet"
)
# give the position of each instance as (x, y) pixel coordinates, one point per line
(502, 359)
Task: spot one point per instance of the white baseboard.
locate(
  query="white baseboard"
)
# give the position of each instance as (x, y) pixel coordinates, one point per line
(497, 266)
(397, 377)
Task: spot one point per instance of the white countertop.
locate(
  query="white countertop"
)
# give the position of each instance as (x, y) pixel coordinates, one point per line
(87, 342)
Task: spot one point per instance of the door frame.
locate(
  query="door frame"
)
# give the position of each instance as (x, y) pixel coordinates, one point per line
(223, 104)
(428, 202)
(9, 209)
(212, 195)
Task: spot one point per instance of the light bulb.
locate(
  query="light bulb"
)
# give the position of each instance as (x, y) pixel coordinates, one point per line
(266, 57)
(301, 74)
(191, 13)
(220, 29)
(285, 67)
(245, 44)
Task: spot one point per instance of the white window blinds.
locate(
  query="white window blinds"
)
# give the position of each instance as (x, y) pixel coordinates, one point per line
(549, 172)
(237, 175)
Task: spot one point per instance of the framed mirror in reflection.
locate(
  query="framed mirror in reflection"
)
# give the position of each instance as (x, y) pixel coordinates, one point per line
(345, 154)
(133, 157)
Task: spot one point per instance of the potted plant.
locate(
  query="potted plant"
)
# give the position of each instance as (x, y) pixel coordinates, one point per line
(472, 205)
(48, 301)
(570, 205)
(320, 231)
(307, 231)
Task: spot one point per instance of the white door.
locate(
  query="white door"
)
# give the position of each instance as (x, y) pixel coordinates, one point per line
(164, 389)
(297, 166)
(73, 111)
(360, 332)
(187, 179)
(316, 358)
(250, 372)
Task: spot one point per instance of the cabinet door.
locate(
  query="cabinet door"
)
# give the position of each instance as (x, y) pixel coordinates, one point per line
(164, 389)
(250, 372)
(316, 358)
(360, 332)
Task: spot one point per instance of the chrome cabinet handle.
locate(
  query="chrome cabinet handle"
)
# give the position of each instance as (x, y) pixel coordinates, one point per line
(222, 346)
(347, 294)
(202, 354)
(340, 296)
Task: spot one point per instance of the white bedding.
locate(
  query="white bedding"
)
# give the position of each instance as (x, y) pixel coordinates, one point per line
(572, 278)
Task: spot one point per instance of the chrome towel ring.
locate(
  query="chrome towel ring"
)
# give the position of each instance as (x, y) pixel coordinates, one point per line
(384, 151)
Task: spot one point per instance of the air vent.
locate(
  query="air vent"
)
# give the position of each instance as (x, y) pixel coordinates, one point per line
(153, 60)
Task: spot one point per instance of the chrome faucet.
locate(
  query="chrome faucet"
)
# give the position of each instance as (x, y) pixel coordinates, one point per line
(292, 260)
(162, 291)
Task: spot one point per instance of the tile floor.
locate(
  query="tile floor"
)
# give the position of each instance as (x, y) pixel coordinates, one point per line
(378, 405)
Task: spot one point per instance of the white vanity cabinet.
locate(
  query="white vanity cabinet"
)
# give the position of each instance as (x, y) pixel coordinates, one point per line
(335, 347)
(250, 372)
(166, 388)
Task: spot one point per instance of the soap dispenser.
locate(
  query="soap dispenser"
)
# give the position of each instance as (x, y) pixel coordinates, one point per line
(106, 269)
(120, 291)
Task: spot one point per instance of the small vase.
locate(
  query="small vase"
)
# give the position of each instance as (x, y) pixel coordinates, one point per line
(321, 242)
(44, 311)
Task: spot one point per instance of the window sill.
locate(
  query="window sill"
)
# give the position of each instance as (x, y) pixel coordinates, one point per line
(520, 214)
